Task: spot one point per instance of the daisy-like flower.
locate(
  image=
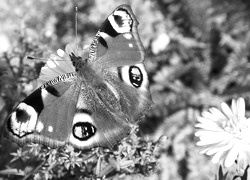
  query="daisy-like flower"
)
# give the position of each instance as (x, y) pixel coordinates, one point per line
(225, 134)
(60, 64)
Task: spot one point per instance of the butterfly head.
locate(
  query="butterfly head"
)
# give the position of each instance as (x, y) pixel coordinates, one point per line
(77, 61)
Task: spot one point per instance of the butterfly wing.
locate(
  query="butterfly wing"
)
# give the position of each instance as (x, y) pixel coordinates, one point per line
(117, 42)
(117, 54)
(45, 116)
(120, 83)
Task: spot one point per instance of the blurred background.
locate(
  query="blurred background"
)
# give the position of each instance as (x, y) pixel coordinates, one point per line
(198, 55)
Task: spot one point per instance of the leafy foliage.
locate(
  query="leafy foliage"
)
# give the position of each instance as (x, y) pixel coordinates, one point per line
(132, 156)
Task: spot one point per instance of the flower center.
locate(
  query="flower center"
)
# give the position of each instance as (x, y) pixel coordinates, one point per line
(239, 127)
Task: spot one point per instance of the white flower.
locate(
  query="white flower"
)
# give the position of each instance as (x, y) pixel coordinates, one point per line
(160, 43)
(59, 64)
(225, 135)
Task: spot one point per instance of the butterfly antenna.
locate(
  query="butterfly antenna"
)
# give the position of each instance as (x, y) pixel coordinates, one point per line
(42, 59)
(36, 58)
(76, 9)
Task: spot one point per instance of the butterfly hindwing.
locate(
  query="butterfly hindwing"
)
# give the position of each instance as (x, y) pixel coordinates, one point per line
(94, 124)
(133, 84)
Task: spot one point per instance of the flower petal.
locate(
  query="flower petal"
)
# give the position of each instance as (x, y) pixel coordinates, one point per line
(216, 158)
(212, 138)
(241, 107)
(226, 110)
(203, 151)
(211, 134)
(71, 48)
(206, 121)
(209, 116)
(60, 53)
(212, 151)
(218, 113)
(207, 124)
(223, 151)
(217, 148)
(234, 107)
(209, 127)
(232, 155)
(219, 132)
(54, 67)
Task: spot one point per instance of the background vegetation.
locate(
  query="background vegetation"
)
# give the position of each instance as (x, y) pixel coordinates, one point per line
(198, 55)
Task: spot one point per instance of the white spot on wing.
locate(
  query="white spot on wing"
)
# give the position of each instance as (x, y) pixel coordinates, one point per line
(44, 93)
(104, 36)
(127, 36)
(50, 129)
(130, 45)
(39, 126)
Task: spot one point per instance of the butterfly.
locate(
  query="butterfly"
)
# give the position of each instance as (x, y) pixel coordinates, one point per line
(94, 98)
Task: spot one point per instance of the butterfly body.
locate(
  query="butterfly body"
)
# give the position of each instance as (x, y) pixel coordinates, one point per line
(98, 102)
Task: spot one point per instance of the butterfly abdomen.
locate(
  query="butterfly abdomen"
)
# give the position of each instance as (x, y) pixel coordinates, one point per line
(99, 83)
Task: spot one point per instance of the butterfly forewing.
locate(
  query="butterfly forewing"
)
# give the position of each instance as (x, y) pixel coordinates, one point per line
(117, 42)
(45, 116)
